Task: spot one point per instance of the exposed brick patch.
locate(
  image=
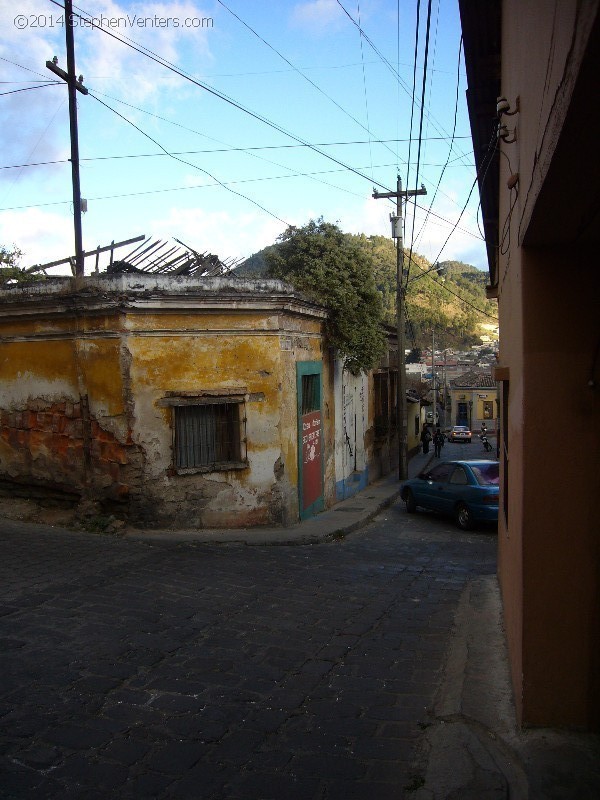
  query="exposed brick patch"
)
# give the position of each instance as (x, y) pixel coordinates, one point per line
(47, 446)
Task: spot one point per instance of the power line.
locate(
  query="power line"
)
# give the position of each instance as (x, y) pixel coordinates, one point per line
(397, 75)
(423, 89)
(206, 185)
(491, 148)
(220, 95)
(391, 68)
(412, 99)
(462, 299)
(216, 93)
(27, 69)
(451, 141)
(304, 144)
(364, 77)
(198, 152)
(397, 84)
(29, 88)
(295, 68)
(229, 148)
(190, 164)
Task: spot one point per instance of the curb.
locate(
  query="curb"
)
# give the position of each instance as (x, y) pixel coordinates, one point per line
(325, 527)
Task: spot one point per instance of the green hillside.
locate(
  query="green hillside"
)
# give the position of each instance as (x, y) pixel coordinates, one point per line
(452, 300)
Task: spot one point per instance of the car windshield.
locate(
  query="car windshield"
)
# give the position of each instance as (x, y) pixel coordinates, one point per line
(486, 474)
(460, 428)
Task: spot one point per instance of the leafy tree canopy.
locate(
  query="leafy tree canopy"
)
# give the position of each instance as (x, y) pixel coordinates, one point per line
(331, 268)
(434, 300)
(450, 299)
(9, 264)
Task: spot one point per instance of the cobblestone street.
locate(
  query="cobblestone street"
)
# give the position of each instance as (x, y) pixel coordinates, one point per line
(136, 669)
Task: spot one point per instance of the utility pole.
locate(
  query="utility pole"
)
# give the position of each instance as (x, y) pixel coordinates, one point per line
(445, 384)
(400, 319)
(74, 85)
(433, 372)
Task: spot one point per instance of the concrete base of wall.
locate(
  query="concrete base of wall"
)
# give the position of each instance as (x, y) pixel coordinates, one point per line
(351, 484)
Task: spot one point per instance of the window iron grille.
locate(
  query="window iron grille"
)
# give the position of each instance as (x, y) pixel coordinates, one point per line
(207, 434)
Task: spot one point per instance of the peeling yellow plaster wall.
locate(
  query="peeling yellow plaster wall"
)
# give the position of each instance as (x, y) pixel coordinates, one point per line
(127, 361)
(36, 369)
(201, 321)
(260, 363)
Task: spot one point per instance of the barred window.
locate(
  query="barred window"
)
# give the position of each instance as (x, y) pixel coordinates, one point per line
(207, 435)
(311, 388)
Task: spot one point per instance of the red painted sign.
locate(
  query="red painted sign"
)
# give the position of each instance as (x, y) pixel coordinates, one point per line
(311, 458)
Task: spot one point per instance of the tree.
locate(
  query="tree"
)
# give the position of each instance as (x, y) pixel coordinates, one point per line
(10, 271)
(328, 266)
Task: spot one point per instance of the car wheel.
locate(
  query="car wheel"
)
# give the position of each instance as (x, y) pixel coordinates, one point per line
(464, 518)
(409, 499)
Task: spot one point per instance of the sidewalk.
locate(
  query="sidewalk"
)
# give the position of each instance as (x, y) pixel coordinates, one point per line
(342, 518)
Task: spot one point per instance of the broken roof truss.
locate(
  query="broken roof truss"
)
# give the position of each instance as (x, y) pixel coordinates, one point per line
(150, 256)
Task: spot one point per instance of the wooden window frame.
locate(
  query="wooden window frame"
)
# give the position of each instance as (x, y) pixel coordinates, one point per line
(188, 458)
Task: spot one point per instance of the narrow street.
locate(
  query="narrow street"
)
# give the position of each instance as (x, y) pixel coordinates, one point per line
(136, 669)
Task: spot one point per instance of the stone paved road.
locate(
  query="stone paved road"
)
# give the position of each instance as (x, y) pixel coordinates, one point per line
(173, 670)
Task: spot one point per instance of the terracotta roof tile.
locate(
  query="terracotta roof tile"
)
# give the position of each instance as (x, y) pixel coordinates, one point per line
(473, 380)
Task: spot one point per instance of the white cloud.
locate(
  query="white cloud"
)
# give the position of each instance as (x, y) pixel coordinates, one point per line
(372, 218)
(35, 122)
(42, 236)
(317, 16)
(164, 29)
(23, 55)
(36, 33)
(218, 232)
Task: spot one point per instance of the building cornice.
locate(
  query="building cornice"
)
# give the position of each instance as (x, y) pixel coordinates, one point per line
(151, 294)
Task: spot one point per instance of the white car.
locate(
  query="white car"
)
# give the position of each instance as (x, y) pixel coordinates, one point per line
(460, 433)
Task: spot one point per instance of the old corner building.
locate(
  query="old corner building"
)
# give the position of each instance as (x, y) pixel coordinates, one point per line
(532, 72)
(182, 401)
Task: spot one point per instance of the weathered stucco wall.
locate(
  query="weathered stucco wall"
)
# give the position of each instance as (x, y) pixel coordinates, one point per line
(51, 434)
(248, 355)
(86, 367)
(352, 421)
(548, 290)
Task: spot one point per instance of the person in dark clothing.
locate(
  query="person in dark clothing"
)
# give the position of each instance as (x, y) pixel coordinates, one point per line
(438, 442)
(425, 438)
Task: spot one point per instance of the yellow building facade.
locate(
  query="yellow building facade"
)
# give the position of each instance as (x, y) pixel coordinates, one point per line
(178, 399)
(474, 401)
(181, 402)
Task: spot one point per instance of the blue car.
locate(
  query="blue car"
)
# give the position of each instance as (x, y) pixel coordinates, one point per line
(466, 490)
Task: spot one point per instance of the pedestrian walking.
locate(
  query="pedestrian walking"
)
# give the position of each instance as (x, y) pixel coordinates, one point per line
(438, 442)
(425, 438)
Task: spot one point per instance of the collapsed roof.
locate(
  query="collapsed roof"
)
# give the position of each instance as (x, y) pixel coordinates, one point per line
(171, 256)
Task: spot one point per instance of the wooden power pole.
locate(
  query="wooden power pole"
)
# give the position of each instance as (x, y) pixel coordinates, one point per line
(397, 234)
(74, 85)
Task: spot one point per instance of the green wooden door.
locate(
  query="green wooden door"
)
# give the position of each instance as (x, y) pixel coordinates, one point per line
(309, 376)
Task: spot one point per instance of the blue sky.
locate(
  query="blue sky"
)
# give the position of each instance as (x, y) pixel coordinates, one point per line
(326, 86)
